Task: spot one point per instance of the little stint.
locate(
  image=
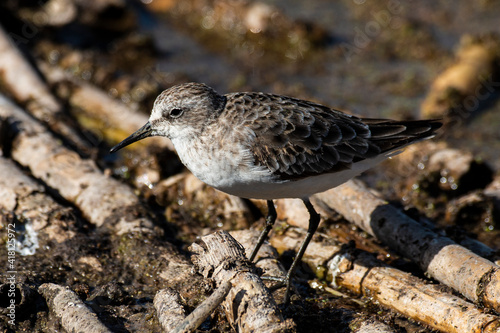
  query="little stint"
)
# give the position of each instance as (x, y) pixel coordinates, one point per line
(265, 146)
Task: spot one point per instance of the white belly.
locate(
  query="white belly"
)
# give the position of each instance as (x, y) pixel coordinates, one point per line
(236, 174)
(302, 188)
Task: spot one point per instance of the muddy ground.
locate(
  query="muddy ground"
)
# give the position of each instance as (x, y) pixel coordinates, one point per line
(378, 59)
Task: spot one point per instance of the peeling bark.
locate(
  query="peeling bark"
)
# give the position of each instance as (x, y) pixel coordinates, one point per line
(22, 196)
(169, 309)
(75, 316)
(197, 317)
(100, 198)
(411, 296)
(267, 257)
(439, 256)
(361, 273)
(249, 307)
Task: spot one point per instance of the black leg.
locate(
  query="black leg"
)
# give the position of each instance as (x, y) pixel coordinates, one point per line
(270, 219)
(313, 226)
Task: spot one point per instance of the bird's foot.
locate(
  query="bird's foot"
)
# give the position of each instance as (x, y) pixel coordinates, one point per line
(285, 281)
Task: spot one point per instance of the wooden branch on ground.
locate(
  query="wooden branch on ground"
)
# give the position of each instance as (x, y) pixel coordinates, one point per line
(361, 273)
(121, 120)
(22, 81)
(169, 309)
(75, 316)
(267, 261)
(22, 196)
(410, 296)
(205, 309)
(474, 277)
(100, 198)
(171, 312)
(267, 258)
(248, 307)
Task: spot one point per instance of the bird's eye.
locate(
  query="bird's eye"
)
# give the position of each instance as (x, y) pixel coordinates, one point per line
(176, 112)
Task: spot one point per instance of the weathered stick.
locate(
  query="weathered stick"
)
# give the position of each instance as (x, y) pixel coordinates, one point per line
(21, 80)
(22, 196)
(410, 296)
(196, 318)
(361, 273)
(120, 119)
(249, 307)
(74, 314)
(100, 198)
(317, 254)
(267, 258)
(169, 309)
(476, 278)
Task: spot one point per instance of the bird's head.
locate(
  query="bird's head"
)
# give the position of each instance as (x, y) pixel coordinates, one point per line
(180, 111)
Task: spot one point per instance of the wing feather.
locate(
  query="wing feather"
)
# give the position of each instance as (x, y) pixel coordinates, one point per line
(297, 139)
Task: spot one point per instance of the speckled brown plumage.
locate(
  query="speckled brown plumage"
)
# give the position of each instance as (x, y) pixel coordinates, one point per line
(297, 139)
(265, 146)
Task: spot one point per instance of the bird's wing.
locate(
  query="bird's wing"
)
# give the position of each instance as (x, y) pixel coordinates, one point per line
(297, 139)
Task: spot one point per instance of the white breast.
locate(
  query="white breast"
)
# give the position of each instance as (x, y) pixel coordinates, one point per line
(221, 165)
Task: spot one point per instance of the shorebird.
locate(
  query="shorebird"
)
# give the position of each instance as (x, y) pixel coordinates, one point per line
(266, 146)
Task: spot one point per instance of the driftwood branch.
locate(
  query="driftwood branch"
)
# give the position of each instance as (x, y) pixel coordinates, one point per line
(22, 82)
(361, 273)
(196, 318)
(410, 296)
(267, 258)
(169, 308)
(96, 103)
(476, 278)
(316, 255)
(99, 197)
(22, 196)
(248, 307)
(75, 316)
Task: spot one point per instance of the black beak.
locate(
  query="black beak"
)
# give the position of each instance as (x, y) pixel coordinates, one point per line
(143, 132)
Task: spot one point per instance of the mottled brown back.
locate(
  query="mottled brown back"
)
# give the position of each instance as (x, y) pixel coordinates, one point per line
(297, 139)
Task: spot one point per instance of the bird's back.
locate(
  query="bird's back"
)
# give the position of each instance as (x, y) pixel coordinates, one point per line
(296, 139)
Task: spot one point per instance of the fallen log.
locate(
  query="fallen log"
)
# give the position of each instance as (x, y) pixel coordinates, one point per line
(25, 198)
(101, 198)
(24, 84)
(169, 309)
